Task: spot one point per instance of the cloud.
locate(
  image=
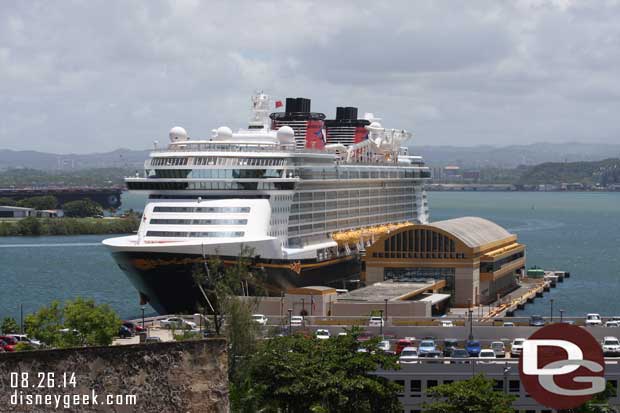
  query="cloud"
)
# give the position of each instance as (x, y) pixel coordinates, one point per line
(85, 76)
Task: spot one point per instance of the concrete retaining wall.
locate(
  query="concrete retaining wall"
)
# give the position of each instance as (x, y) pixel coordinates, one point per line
(188, 376)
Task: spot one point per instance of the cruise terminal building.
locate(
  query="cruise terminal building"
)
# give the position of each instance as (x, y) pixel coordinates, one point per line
(477, 258)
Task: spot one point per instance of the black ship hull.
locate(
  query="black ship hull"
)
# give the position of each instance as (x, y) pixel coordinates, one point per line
(166, 282)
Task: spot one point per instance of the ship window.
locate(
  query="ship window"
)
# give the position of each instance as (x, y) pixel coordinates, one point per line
(199, 221)
(202, 209)
(223, 234)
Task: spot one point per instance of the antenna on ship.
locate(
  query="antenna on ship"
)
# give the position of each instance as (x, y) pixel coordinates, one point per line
(260, 111)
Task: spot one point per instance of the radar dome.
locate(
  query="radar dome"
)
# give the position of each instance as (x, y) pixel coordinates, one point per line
(224, 132)
(375, 125)
(286, 135)
(177, 134)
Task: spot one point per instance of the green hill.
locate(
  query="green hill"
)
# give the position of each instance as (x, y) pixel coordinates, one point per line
(603, 172)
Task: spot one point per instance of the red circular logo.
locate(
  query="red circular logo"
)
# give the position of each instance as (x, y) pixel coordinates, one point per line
(562, 366)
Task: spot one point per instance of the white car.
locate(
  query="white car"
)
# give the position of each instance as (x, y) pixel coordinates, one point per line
(487, 353)
(409, 355)
(446, 323)
(612, 323)
(260, 319)
(375, 321)
(322, 334)
(516, 347)
(297, 321)
(593, 319)
(611, 346)
(384, 345)
(23, 338)
(342, 334)
(177, 323)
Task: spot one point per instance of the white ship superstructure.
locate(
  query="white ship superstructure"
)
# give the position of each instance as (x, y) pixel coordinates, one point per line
(305, 206)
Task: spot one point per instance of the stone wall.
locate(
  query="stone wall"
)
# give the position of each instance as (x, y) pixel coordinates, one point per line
(188, 376)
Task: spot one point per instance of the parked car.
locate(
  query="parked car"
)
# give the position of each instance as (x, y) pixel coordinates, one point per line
(473, 348)
(516, 347)
(375, 321)
(499, 348)
(384, 345)
(8, 343)
(177, 323)
(135, 328)
(408, 355)
(322, 334)
(449, 344)
(612, 323)
(297, 320)
(508, 324)
(260, 319)
(446, 323)
(537, 321)
(487, 353)
(593, 319)
(402, 344)
(458, 356)
(436, 354)
(611, 346)
(426, 346)
(23, 338)
(125, 332)
(364, 336)
(151, 339)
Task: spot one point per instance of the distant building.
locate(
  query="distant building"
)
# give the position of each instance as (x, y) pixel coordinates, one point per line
(477, 258)
(16, 212)
(21, 212)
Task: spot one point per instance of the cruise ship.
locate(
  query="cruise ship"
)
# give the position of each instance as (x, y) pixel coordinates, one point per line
(305, 194)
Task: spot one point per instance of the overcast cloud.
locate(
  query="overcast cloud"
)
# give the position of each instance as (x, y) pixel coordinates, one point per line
(86, 76)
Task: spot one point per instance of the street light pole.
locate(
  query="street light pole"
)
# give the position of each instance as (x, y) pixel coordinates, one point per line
(561, 316)
(551, 304)
(386, 312)
(143, 317)
(290, 325)
(506, 370)
(381, 324)
(470, 314)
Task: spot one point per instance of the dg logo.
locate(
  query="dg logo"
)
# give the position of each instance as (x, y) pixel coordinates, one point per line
(562, 366)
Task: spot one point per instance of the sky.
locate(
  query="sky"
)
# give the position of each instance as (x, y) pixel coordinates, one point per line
(96, 75)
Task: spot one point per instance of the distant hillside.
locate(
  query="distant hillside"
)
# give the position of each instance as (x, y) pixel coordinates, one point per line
(472, 157)
(101, 177)
(513, 156)
(603, 172)
(120, 158)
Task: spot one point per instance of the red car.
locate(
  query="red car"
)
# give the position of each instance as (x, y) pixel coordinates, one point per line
(402, 343)
(8, 343)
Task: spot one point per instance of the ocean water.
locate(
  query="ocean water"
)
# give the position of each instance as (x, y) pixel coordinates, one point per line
(576, 232)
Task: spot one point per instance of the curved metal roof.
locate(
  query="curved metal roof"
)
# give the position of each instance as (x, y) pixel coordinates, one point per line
(473, 231)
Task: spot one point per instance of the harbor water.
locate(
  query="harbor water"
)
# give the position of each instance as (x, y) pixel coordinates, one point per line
(576, 232)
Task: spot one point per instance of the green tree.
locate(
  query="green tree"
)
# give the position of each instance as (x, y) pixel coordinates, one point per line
(82, 208)
(8, 202)
(220, 284)
(29, 226)
(9, 325)
(39, 202)
(97, 325)
(297, 374)
(475, 395)
(45, 324)
(79, 323)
